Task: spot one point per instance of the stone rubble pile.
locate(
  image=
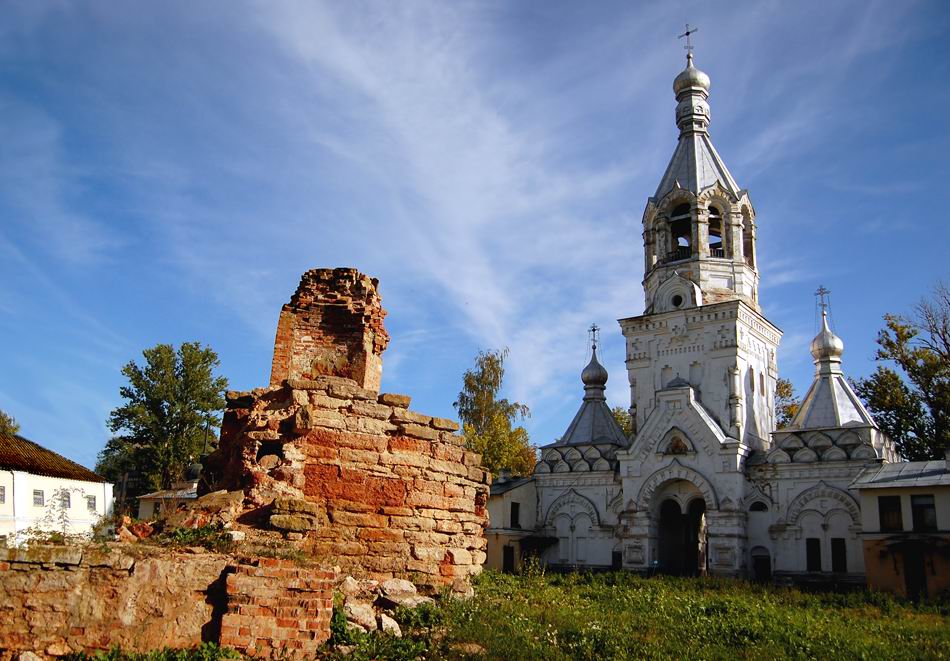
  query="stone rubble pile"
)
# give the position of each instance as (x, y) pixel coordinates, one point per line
(368, 604)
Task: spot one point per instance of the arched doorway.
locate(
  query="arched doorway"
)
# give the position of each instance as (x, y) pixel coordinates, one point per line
(761, 564)
(671, 538)
(681, 530)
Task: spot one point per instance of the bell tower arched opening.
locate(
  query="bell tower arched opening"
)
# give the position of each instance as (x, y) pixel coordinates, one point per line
(715, 233)
(681, 233)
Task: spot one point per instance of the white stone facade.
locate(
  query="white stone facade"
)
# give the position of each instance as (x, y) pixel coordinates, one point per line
(706, 484)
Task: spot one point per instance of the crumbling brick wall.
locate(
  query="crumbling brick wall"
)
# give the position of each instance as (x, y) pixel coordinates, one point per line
(332, 326)
(350, 474)
(381, 490)
(60, 600)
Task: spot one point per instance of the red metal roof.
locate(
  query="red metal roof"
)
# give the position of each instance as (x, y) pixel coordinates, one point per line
(20, 454)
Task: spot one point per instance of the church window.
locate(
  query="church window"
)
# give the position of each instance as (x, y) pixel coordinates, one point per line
(677, 301)
(813, 554)
(839, 555)
(889, 513)
(924, 512)
(758, 506)
(715, 233)
(752, 379)
(516, 515)
(762, 382)
(681, 230)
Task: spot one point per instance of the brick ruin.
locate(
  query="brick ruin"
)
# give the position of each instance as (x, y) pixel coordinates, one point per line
(333, 325)
(351, 475)
(57, 600)
(318, 466)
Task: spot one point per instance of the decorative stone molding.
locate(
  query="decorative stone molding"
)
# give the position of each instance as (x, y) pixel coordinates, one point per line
(676, 471)
(821, 491)
(572, 501)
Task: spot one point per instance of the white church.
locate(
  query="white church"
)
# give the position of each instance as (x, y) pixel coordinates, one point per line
(706, 484)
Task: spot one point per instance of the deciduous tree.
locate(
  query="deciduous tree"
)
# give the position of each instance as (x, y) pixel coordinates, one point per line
(622, 416)
(912, 402)
(170, 403)
(488, 422)
(786, 402)
(8, 424)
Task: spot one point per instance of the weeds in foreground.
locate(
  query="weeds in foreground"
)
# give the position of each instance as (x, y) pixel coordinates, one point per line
(210, 537)
(204, 652)
(621, 615)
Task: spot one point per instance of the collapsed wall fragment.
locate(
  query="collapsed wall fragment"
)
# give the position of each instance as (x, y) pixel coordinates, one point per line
(351, 475)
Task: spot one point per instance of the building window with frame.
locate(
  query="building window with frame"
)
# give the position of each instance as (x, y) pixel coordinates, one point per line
(516, 515)
(889, 513)
(39, 499)
(66, 500)
(839, 555)
(3, 495)
(924, 513)
(91, 503)
(813, 554)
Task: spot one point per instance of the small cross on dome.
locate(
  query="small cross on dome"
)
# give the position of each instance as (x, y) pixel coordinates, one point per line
(689, 41)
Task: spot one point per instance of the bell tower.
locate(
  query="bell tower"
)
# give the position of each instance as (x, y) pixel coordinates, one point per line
(698, 225)
(702, 326)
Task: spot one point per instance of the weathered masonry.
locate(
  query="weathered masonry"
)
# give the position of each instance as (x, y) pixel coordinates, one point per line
(57, 600)
(353, 475)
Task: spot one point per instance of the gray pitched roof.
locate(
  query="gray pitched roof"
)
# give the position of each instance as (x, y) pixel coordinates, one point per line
(696, 166)
(830, 402)
(904, 474)
(593, 423)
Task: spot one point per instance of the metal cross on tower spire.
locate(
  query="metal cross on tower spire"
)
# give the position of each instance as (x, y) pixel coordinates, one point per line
(689, 42)
(821, 294)
(593, 331)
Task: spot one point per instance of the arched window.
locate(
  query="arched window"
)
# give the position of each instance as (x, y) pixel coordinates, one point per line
(758, 506)
(681, 233)
(715, 233)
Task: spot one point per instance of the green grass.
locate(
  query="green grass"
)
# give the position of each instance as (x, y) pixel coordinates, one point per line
(620, 616)
(204, 652)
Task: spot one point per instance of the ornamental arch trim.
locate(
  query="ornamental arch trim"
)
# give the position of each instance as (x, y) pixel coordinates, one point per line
(568, 499)
(673, 199)
(821, 490)
(676, 471)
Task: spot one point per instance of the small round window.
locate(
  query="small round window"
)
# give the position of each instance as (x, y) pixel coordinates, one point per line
(677, 300)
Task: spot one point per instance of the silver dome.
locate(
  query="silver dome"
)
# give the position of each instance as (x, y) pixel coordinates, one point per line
(690, 77)
(826, 344)
(594, 374)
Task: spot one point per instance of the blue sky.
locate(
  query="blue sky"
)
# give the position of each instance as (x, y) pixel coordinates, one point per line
(170, 169)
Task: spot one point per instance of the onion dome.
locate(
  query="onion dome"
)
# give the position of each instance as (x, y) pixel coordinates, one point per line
(594, 374)
(690, 77)
(826, 346)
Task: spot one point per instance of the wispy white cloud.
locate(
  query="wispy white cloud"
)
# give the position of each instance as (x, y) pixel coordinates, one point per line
(488, 161)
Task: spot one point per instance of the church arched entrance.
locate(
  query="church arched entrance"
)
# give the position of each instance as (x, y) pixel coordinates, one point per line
(681, 530)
